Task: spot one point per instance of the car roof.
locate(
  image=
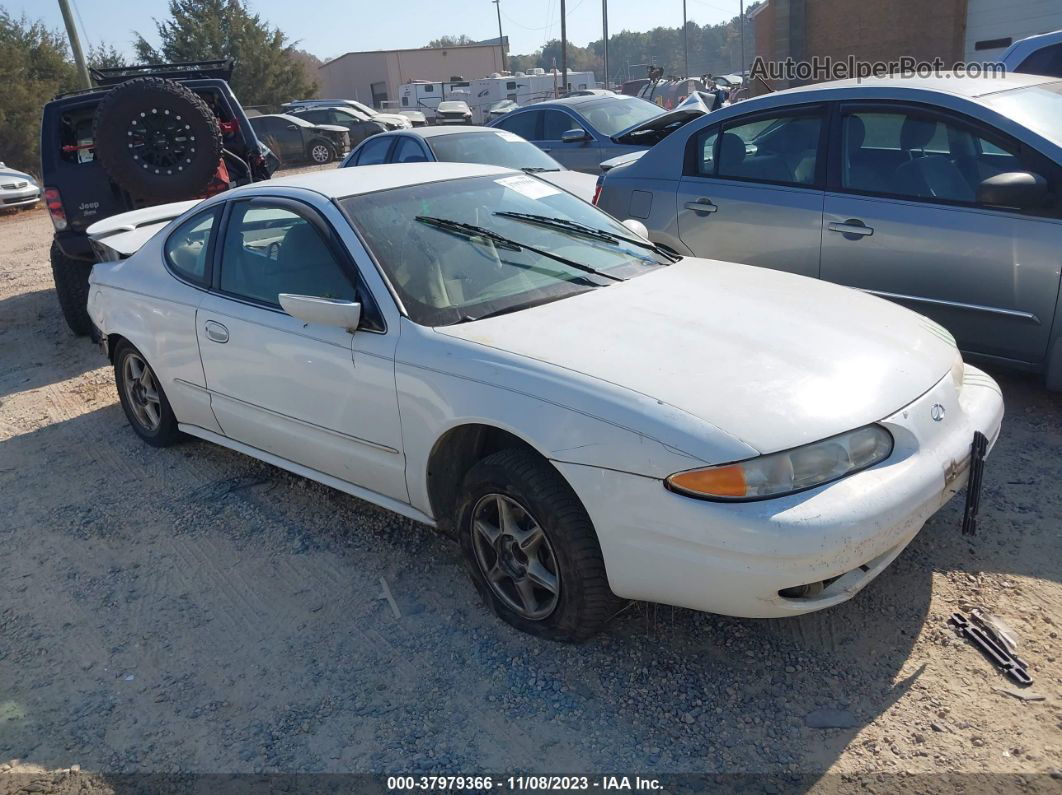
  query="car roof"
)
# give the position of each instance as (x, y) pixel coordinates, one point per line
(339, 183)
(576, 101)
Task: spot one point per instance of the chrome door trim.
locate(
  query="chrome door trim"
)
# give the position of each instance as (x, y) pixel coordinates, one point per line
(992, 310)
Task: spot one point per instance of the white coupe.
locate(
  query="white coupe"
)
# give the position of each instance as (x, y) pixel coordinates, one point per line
(594, 419)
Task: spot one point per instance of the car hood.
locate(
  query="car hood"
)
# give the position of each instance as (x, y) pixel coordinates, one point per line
(393, 118)
(9, 174)
(773, 359)
(333, 128)
(656, 129)
(582, 185)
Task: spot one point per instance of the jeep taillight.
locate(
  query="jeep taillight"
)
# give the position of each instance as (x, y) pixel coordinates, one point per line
(55, 208)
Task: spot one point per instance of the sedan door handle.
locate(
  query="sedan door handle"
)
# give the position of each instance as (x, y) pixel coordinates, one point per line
(216, 332)
(702, 206)
(852, 228)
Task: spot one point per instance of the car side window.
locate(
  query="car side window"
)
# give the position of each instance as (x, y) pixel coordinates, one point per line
(315, 116)
(374, 151)
(271, 249)
(407, 150)
(1047, 62)
(918, 156)
(781, 149)
(555, 123)
(703, 154)
(188, 246)
(523, 124)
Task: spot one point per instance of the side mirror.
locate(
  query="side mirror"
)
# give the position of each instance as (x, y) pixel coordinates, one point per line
(637, 227)
(574, 136)
(1017, 190)
(324, 311)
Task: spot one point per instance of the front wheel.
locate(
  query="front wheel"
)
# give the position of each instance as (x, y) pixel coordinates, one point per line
(143, 401)
(322, 153)
(532, 550)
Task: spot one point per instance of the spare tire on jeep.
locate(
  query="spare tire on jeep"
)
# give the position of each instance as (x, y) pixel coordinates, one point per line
(157, 139)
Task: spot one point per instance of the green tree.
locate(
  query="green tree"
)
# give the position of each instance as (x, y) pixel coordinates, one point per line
(450, 41)
(34, 67)
(266, 70)
(105, 56)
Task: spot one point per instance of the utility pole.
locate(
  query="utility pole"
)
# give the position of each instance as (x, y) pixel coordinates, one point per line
(741, 21)
(564, 48)
(685, 44)
(75, 43)
(501, 38)
(604, 32)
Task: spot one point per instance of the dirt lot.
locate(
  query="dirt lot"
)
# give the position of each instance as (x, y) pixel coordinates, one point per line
(192, 610)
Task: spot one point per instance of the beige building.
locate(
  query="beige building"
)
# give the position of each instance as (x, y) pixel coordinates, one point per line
(374, 77)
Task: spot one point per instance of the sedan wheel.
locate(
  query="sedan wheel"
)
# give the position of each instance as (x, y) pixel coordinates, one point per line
(531, 548)
(142, 397)
(515, 556)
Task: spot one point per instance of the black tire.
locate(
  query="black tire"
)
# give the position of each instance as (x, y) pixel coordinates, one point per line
(321, 152)
(71, 286)
(157, 139)
(584, 602)
(164, 432)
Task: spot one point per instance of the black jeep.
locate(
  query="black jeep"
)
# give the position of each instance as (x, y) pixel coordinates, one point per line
(145, 135)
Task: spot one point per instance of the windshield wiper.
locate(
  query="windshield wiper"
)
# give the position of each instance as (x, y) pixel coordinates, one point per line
(462, 229)
(537, 169)
(587, 231)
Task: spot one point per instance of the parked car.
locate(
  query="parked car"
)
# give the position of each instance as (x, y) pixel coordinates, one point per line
(416, 117)
(499, 109)
(453, 111)
(145, 135)
(580, 132)
(297, 140)
(591, 417)
(391, 121)
(17, 189)
(1036, 55)
(471, 145)
(942, 194)
(358, 126)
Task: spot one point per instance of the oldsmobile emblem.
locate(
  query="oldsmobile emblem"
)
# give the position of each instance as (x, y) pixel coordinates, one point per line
(937, 412)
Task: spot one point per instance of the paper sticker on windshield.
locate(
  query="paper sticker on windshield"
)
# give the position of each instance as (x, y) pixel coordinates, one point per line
(508, 136)
(528, 186)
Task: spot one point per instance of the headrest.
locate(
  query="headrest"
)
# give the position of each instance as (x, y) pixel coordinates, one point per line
(302, 244)
(916, 133)
(855, 132)
(732, 149)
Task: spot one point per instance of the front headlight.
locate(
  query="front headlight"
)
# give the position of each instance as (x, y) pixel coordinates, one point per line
(789, 471)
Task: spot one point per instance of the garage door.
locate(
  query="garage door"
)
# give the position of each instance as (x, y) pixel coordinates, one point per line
(992, 26)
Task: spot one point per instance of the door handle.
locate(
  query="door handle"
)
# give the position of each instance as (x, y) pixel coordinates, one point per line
(216, 332)
(852, 228)
(702, 206)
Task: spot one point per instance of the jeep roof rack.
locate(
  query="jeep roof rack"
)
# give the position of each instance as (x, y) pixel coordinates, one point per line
(220, 69)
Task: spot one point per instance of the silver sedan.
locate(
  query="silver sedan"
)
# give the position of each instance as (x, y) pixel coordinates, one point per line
(941, 193)
(17, 189)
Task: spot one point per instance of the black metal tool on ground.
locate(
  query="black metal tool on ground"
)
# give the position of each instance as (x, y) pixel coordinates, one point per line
(992, 648)
(978, 451)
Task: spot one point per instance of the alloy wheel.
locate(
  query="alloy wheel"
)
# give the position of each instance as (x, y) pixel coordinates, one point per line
(515, 556)
(320, 153)
(141, 392)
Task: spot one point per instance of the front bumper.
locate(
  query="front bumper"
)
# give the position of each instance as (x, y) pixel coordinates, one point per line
(735, 558)
(22, 197)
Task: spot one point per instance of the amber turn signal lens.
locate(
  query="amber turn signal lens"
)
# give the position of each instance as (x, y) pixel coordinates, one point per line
(725, 481)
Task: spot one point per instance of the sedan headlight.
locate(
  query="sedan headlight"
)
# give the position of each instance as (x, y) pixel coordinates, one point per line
(789, 471)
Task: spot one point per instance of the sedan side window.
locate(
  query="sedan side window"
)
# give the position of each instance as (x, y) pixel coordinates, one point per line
(781, 149)
(374, 152)
(523, 124)
(918, 156)
(1047, 62)
(703, 158)
(407, 150)
(555, 123)
(272, 249)
(188, 247)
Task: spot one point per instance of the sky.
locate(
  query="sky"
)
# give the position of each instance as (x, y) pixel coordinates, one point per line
(328, 28)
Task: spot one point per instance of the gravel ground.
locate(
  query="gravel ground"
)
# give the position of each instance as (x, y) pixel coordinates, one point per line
(192, 610)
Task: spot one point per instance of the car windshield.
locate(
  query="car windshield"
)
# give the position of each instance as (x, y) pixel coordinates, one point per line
(453, 252)
(495, 148)
(610, 115)
(1037, 107)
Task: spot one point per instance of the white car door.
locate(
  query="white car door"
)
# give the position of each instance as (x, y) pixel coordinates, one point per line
(315, 395)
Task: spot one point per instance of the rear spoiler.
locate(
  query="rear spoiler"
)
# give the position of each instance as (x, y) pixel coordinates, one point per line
(122, 235)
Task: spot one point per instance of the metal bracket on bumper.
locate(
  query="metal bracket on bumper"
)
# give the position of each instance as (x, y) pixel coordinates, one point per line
(978, 451)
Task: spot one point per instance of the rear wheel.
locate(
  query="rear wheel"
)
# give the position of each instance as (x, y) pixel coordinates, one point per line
(142, 398)
(531, 548)
(321, 152)
(71, 287)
